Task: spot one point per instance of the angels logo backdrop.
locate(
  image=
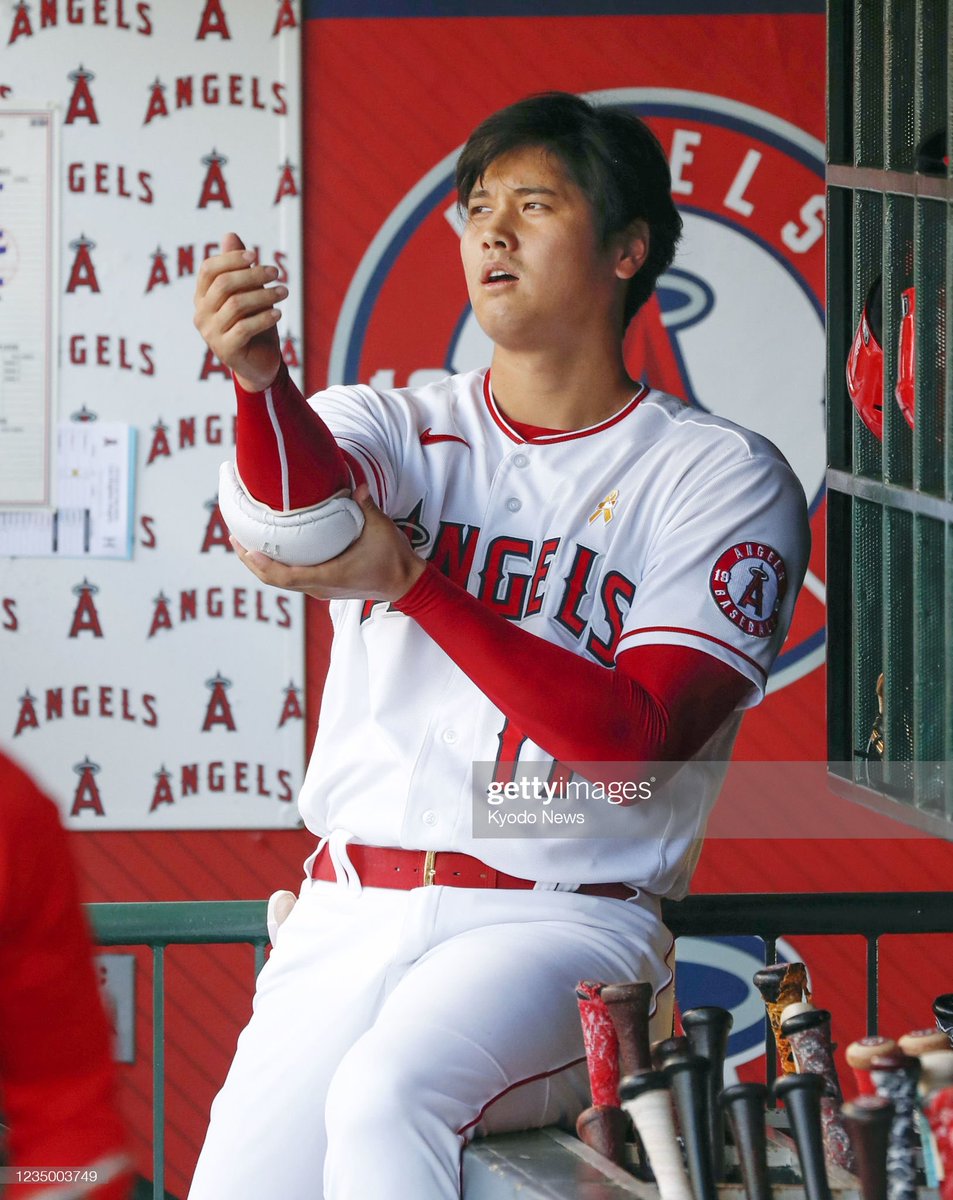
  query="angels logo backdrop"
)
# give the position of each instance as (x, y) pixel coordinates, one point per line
(166, 690)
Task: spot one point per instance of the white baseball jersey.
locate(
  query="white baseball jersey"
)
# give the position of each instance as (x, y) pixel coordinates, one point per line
(662, 524)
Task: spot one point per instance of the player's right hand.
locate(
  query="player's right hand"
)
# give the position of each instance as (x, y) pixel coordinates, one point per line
(237, 315)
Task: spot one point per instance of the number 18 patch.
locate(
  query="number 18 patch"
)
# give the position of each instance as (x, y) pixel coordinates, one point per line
(748, 583)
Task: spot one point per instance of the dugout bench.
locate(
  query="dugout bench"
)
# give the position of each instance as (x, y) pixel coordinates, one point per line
(547, 1164)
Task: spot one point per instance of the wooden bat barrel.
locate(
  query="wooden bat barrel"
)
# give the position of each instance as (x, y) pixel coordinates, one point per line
(707, 1029)
(801, 1096)
(744, 1105)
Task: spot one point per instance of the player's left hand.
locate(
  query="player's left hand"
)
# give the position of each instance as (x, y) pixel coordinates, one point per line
(380, 565)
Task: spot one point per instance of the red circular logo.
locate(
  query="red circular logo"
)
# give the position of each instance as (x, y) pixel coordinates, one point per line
(748, 583)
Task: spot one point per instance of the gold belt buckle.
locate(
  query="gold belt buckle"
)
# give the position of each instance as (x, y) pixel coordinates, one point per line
(430, 867)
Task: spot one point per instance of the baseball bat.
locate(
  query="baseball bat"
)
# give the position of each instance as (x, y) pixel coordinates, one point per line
(801, 1096)
(707, 1030)
(780, 985)
(867, 1121)
(939, 1114)
(923, 1041)
(744, 1104)
(603, 1128)
(895, 1076)
(808, 1032)
(628, 1005)
(603, 1125)
(601, 1044)
(936, 1071)
(648, 1102)
(860, 1055)
(943, 1012)
(667, 1048)
(687, 1077)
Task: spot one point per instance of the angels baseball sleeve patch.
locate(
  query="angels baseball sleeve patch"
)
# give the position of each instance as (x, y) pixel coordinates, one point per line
(748, 582)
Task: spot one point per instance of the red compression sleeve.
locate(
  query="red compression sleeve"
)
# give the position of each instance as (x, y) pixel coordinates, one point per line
(286, 456)
(662, 703)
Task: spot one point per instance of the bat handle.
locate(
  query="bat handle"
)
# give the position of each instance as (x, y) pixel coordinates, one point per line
(688, 1079)
(646, 1098)
(809, 1035)
(628, 1005)
(867, 1120)
(744, 1104)
(801, 1096)
(707, 1029)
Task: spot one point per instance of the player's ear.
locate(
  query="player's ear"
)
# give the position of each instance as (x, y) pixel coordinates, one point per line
(633, 249)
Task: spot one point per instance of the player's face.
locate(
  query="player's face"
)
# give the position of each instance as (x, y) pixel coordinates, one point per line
(534, 269)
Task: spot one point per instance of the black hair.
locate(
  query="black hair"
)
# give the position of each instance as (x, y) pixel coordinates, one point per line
(610, 154)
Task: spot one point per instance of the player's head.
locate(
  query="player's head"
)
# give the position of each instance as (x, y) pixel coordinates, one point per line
(611, 155)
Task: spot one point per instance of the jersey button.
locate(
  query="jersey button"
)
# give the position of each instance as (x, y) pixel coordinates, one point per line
(450, 736)
(520, 460)
(429, 817)
(513, 504)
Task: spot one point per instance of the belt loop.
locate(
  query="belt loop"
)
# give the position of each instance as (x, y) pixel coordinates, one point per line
(430, 867)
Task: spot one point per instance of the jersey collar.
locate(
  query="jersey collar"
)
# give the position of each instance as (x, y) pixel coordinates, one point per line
(557, 435)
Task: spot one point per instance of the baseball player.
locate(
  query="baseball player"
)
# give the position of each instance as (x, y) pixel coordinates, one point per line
(555, 570)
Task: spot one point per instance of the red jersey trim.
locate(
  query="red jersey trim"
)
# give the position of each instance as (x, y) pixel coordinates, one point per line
(698, 634)
(567, 436)
(360, 451)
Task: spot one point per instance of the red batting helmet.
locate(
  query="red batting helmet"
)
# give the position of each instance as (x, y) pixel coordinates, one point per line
(904, 390)
(865, 363)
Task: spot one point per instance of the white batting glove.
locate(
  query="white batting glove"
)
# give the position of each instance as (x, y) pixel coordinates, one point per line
(302, 537)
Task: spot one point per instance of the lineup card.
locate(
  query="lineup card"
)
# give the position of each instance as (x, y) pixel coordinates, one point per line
(27, 189)
(95, 474)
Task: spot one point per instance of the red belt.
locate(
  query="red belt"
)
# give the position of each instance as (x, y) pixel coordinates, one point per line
(405, 869)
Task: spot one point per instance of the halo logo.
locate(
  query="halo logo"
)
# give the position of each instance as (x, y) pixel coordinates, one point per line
(736, 326)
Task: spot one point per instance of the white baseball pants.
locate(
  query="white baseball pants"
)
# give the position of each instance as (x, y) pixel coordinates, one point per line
(390, 1027)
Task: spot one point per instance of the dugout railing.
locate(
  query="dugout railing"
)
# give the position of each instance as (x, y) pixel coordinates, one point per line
(768, 917)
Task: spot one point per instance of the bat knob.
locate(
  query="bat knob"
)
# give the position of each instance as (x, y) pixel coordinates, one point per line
(943, 1012)
(801, 1096)
(604, 1128)
(669, 1048)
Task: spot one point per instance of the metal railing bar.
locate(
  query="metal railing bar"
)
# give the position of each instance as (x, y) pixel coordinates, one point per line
(158, 1072)
(791, 914)
(873, 964)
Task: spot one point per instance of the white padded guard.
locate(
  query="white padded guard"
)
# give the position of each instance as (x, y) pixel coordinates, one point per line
(302, 537)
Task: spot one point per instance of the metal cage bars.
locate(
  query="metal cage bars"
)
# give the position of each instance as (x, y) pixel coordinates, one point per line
(890, 503)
